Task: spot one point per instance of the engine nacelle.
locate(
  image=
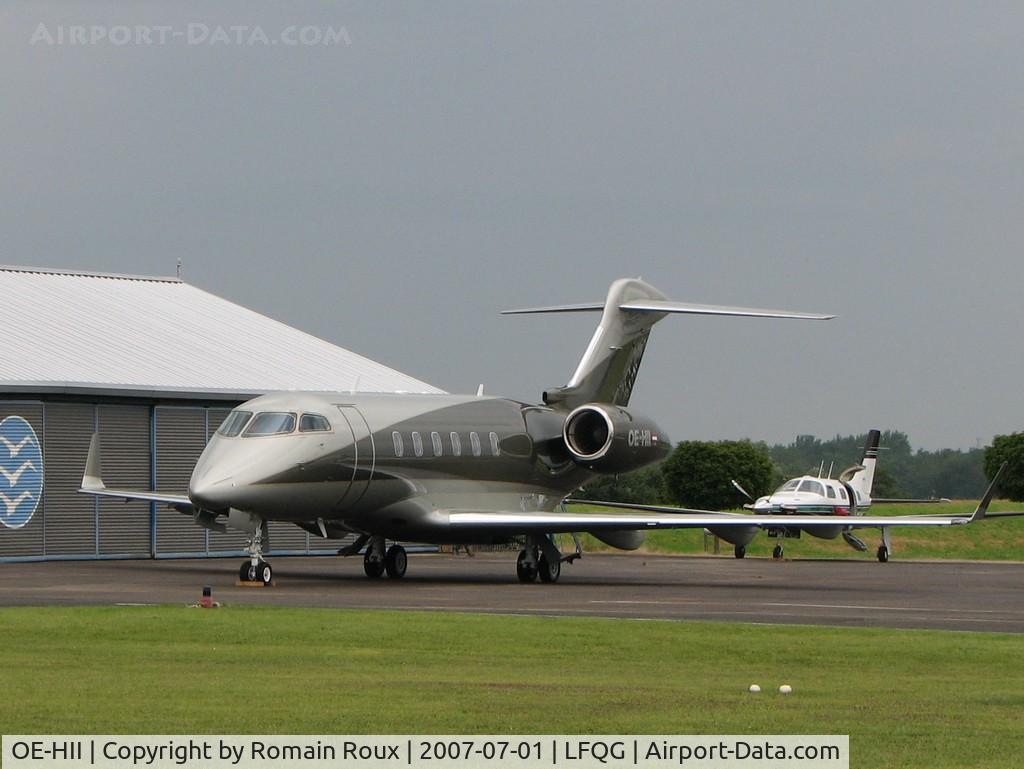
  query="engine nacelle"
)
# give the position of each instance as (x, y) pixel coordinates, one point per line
(609, 439)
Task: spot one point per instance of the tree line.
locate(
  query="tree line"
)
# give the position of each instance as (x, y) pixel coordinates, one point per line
(700, 473)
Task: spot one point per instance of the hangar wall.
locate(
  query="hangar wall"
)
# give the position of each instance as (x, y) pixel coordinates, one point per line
(144, 446)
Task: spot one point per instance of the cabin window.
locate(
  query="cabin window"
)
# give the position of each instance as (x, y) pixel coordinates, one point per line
(435, 438)
(456, 444)
(313, 423)
(812, 487)
(396, 438)
(788, 486)
(842, 493)
(474, 442)
(234, 423)
(417, 444)
(270, 423)
(494, 444)
(830, 492)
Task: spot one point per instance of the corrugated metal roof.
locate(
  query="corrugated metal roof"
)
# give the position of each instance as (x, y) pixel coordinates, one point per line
(97, 332)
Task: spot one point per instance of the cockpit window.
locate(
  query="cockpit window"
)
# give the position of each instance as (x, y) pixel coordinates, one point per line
(234, 423)
(812, 487)
(312, 423)
(271, 423)
(788, 486)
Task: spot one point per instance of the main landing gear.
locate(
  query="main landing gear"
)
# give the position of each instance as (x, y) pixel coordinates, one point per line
(542, 558)
(777, 553)
(377, 562)
(740, 551)
(885, 548)
(255, 569)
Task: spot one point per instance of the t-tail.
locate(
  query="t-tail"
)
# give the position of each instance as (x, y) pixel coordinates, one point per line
(607, 371)
(862, 476)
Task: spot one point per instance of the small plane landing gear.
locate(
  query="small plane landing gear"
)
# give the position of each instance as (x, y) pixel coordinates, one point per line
(526, 565)
(884, 549)
(395, 562)
(777, 553)
(739, 551)
(255, 569)
(374, 560)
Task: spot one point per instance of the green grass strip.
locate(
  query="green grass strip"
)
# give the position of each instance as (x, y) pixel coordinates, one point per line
(906, 698)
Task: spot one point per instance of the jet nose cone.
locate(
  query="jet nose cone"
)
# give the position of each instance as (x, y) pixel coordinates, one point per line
(211, 495)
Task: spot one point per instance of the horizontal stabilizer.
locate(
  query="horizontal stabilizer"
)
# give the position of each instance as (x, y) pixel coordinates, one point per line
(666, 306)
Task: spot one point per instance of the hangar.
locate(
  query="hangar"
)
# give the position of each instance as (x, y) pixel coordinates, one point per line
(153, 364)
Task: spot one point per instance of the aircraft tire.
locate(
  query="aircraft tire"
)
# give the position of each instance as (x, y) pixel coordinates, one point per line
(264, 573)
(243, 572)
(396, 561)
(883, 554)
(372, 567)
(777, 553)
(739, 551)
(526, 573)
(548, 572)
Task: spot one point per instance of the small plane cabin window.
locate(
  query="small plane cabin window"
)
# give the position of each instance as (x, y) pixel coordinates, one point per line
(313, 423)
(830, 492)
(842, 493)
(456, 444)
(435, 438)
(812, 487)
(234, 423)
(474, 442)
(788, 486)
(396, 438)
(270, 423)
(417, 444)
(495, 450)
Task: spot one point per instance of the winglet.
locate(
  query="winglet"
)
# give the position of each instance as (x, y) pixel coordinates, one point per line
(92, 480)
(982, 508)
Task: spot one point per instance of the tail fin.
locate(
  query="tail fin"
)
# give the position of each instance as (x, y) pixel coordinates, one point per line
(862, 479)
(608, 368)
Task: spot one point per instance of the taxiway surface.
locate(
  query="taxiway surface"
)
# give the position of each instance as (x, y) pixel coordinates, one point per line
(939, 595)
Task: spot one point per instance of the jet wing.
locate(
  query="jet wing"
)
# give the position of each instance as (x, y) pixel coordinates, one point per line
(92, 483)
(664, 517)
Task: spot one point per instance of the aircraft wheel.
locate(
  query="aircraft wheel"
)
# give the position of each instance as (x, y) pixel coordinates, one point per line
(373, 567)
(264, 573)
(883, 554)
(739, 551)
(243, 572)
(549, 572)
(526, 572)
(395, 561)
(777, 552)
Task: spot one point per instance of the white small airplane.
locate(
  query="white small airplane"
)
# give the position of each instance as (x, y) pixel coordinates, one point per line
(847, 495)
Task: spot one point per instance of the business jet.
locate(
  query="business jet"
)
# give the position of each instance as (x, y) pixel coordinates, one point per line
(454, 469)
(845, 496)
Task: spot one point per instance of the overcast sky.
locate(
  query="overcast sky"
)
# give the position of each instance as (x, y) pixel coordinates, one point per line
(392, 191)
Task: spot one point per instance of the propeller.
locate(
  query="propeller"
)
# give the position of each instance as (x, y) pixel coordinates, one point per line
(741, 490)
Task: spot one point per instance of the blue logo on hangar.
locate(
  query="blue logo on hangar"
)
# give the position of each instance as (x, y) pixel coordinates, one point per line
(21, 472)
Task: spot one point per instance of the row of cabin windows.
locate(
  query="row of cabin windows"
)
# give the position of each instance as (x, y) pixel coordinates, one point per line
(455, 444)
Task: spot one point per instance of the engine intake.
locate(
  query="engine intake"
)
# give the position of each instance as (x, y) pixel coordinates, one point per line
(609, 439)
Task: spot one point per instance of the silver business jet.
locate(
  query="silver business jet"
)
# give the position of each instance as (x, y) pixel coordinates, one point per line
(455, 469)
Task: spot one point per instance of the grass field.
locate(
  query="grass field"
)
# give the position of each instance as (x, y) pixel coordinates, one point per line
(906, 698)
(996, 540)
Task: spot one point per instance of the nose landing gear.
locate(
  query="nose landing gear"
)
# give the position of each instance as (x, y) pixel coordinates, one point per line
(255, 569)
